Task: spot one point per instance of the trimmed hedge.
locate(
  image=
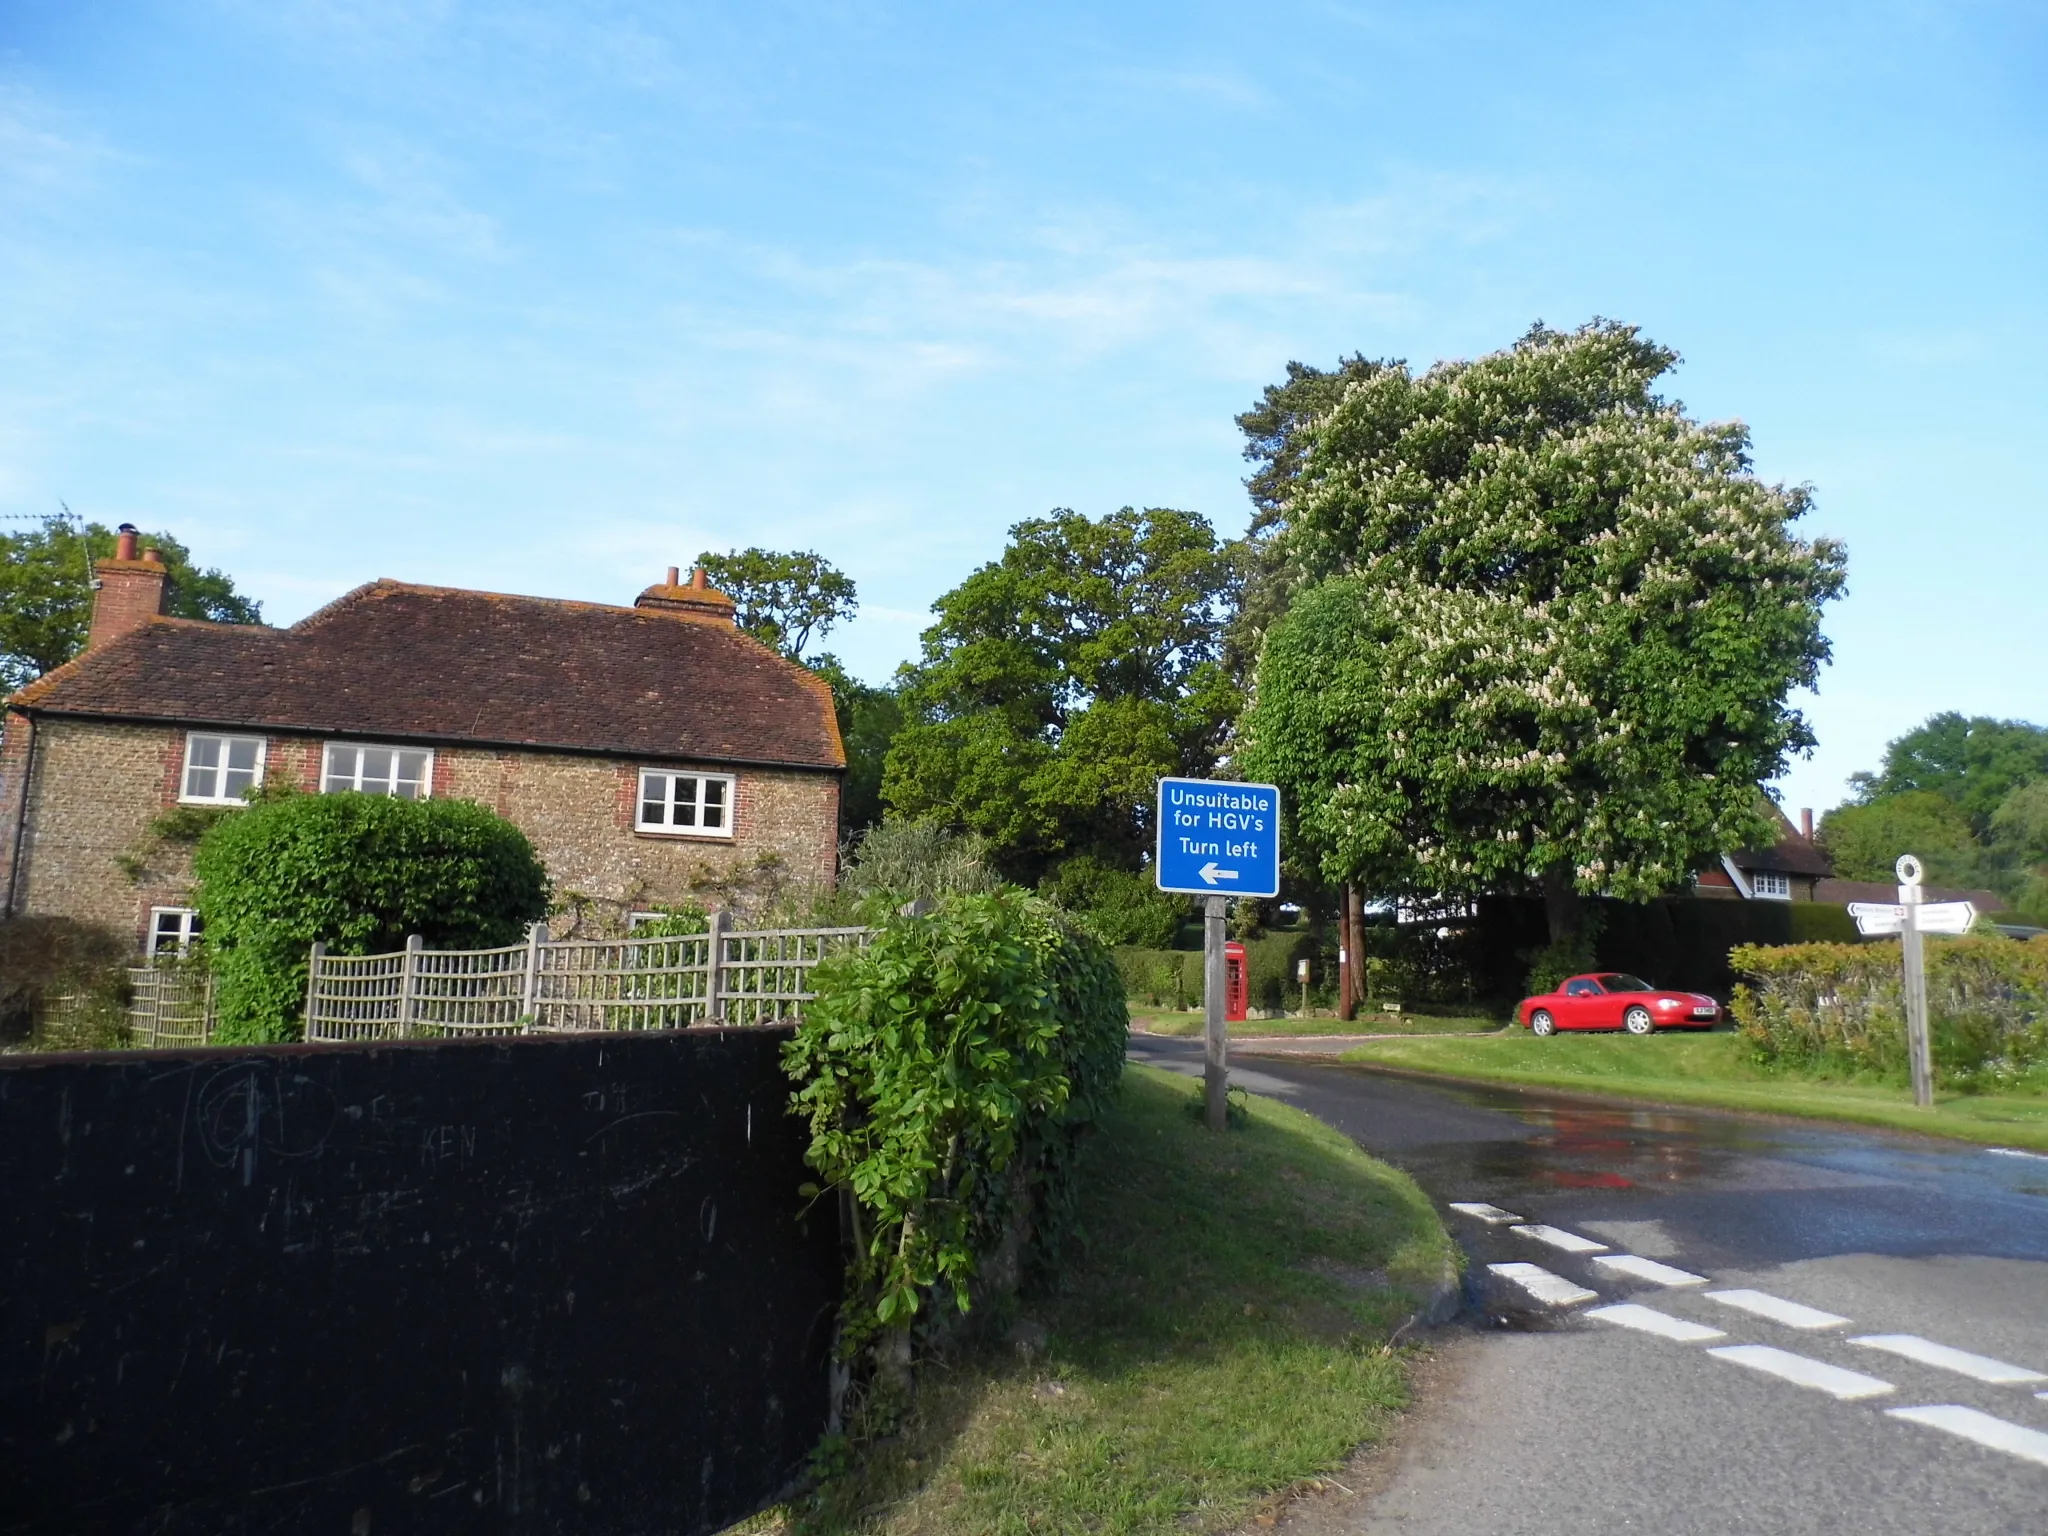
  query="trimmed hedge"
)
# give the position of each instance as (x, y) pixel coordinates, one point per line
(1843, 1006)
(361, 873)
(947, 1072)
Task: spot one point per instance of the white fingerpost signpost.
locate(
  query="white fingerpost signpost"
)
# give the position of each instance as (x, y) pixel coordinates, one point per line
(1216, 841)
(1909, 918)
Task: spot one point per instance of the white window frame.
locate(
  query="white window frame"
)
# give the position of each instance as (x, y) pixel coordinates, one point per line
(729, 803)
(220, 770)
(328, 749)
(1769, 885)
(187, 931)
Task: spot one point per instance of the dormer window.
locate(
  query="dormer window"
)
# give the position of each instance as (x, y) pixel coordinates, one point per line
(218, 769)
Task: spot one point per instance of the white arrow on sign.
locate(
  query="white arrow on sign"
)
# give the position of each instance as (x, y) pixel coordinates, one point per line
(1875, 917)
(1211, 874)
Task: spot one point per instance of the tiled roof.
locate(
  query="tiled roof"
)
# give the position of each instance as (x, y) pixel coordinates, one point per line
(395, 661)
(1792, 854)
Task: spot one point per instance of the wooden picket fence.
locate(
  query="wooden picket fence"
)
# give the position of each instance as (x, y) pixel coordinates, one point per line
(727, 976)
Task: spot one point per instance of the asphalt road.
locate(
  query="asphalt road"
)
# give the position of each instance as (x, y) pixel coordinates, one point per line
(1558, 1417)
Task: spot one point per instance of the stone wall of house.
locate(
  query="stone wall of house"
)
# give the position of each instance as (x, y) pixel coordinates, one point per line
(95, 788)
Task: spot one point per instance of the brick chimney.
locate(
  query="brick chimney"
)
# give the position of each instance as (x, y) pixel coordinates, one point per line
(1806, 823)
(699, 600)
(131, 590)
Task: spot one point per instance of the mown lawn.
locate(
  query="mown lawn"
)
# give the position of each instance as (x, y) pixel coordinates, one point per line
(1218, 1335)
(1372, 1023)
(1714, 1070)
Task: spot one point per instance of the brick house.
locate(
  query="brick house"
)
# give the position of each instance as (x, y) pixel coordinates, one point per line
(646, 751)
(1797, 868)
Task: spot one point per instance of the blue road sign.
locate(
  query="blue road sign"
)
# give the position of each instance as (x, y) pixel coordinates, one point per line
(1218, 839)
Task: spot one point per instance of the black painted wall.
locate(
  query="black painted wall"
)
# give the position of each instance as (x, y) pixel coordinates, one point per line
(521, 1286)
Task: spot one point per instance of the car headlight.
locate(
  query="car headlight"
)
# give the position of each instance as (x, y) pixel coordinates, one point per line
(1671, 1002)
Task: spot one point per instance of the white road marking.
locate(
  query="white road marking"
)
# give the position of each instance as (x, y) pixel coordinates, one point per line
(1492, 1215)
(1551, 1290)
(2013, 1439)
(1927, 1352)
(1649, 1269)
(1557, 1237)
(1650, 1320)
(1790, 1313)
(1802, 1372)
(2039, 1157)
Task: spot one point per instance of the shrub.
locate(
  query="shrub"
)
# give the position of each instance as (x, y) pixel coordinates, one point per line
(1122, 906)
(360, 872)
(946, 1072)
(48, 961)
(1843, 1006)
(1160, 978)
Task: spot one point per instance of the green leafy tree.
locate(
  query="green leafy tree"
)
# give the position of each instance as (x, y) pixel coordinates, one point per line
(869, 718)
(1865, 841)
(1062, 680)
(359, 872)
(784, 599)
(1546, 631)
(2019, 841)
(46, 594)
(1975, 761)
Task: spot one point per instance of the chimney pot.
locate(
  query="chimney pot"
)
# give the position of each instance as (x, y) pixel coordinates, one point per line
(124, 546)
(153, 556)
(1806, 823)
(675, 576)
(699, 580)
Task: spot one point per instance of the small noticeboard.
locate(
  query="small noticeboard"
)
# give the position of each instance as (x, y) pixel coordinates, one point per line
(1217, 839)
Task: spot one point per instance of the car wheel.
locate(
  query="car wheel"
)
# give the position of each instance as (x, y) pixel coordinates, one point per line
(1541, 1023)
(1637, 1021)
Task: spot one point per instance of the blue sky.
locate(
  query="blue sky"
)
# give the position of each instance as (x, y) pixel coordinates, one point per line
(546, 298)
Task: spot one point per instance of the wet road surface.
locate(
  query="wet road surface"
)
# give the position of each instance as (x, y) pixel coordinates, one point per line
(1568, 1417)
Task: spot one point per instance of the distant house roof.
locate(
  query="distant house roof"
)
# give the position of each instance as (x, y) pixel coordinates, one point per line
(1792, 854)
(397, 661)
(1842, 892)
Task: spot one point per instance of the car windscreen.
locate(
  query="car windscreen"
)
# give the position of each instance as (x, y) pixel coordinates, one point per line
(1623, 982)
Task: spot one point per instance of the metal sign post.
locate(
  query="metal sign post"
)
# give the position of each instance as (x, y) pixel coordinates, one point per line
(1216, 840)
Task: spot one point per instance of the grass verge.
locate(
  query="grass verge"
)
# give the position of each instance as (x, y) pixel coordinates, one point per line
(1217, 1334)
(1712, 1070)
(1373, 1023)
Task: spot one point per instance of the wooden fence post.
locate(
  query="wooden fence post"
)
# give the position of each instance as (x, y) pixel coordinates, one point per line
(529, 991)
(312, 984)
(714, 981)
(408, 981)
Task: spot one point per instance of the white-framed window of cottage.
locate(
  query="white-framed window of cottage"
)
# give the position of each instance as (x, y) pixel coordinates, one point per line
(1770, 886)
(407, 772)
(219, 768)
(172, 930)
(685, 804)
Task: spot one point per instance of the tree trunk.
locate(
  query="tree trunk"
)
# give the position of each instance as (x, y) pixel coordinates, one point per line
(1347, 960)
(1560, 902)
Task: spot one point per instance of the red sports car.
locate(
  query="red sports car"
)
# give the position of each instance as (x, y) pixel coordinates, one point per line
(1616, 1000)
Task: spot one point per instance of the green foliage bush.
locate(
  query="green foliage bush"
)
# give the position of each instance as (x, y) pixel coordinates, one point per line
(360, 872)
(1122, 906)
(1160, 978)
(48, 960)
(1842, 1006)
(946, 1073)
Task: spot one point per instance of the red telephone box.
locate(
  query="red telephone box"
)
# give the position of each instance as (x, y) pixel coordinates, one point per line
(1237, 987)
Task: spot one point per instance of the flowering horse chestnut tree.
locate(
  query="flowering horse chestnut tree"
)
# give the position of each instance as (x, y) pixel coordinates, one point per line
(1541, 632)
